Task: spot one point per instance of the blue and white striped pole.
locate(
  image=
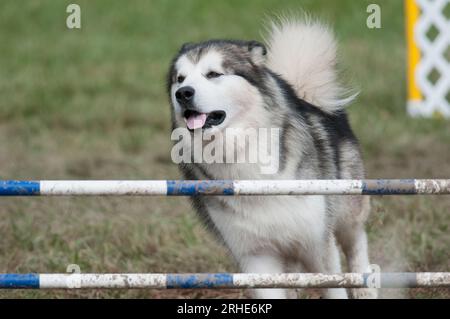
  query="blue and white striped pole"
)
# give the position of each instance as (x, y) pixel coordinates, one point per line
(226, 187)
(224, 280)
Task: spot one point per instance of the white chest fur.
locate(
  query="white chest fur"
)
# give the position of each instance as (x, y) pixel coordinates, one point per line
(253, 223)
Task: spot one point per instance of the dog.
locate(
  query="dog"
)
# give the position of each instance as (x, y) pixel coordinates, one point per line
(290, 83)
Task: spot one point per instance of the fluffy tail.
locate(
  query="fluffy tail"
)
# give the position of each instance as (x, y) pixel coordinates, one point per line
(303, 52)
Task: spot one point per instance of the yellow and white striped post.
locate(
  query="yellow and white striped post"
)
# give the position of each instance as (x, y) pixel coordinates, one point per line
(413, 55)
(428, 42)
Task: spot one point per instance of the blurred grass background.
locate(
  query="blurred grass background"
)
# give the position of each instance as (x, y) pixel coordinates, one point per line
(91, 104)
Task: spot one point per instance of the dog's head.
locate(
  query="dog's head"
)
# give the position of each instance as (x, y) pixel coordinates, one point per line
(212, 84)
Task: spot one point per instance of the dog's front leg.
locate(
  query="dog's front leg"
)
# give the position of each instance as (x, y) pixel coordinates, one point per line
(264, 264)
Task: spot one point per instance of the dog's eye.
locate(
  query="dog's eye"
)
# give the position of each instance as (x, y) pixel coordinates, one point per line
(180, 79)
(212, 75)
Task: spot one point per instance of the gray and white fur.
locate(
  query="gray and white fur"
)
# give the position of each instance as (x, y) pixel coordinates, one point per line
(290, 83)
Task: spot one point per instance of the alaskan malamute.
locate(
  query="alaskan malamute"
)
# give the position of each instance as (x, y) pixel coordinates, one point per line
(290, 83)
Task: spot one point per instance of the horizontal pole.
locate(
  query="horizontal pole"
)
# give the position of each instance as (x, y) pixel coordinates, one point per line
(225, 280)
(225, 187)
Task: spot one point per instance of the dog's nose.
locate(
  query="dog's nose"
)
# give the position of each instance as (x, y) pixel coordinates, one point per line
(185, 94)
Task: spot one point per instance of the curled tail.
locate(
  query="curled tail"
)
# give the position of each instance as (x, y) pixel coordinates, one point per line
(303, 52)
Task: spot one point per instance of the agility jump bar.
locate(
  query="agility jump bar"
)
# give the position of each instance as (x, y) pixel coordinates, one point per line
(224, 187)
(225, 280)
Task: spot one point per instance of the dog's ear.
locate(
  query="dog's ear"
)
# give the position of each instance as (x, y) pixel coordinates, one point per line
(186, 46)
(257, 51)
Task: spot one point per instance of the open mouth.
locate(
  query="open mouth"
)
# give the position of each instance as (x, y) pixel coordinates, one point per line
(195, 120)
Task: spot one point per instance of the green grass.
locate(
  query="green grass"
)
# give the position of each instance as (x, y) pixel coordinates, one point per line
(91, 104)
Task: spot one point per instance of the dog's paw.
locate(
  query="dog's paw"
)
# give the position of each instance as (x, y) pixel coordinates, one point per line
(365, 293)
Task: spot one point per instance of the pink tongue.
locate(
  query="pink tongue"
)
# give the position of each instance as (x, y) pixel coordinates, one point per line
(196, 121)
